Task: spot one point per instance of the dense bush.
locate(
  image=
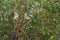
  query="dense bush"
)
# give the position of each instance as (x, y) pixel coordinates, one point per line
(30, 19)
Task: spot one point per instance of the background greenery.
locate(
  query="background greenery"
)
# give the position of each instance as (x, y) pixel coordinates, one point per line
(44, 23)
